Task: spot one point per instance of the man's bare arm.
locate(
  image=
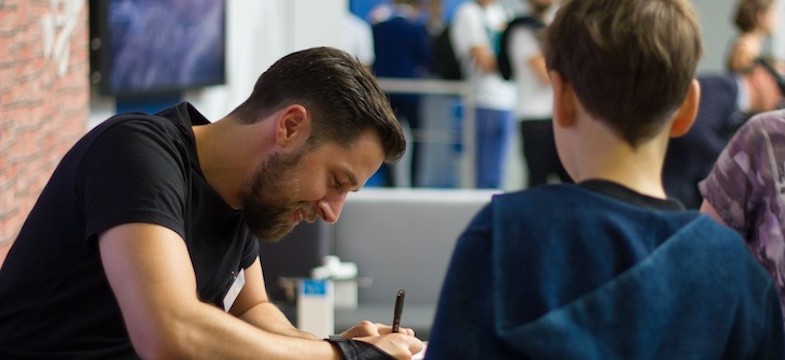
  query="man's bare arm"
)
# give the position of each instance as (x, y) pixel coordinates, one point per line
(150, 272)
(254, 307)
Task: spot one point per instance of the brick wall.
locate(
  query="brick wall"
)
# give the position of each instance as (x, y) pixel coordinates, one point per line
(44, 99)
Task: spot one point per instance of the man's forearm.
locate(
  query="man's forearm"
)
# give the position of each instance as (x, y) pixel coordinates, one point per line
(147, 266)
(213, 335)
(268, 317)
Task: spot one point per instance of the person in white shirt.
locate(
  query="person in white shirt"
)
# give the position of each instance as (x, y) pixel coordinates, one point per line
(476, 28)
(358, 39)
(534, 108)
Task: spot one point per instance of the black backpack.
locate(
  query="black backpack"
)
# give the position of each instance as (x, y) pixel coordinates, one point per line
(444, 60)
(503, 57)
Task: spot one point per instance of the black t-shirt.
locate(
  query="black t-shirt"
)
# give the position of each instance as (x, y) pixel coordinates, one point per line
(55, 300)
(623, 193)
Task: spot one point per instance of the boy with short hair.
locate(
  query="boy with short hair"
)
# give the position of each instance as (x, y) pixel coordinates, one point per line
(609, 268)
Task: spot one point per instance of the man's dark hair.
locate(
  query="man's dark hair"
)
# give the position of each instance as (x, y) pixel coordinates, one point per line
(342, 96)
(630, 62)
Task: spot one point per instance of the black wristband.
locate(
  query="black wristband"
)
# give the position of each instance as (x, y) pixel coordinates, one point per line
(357, 350)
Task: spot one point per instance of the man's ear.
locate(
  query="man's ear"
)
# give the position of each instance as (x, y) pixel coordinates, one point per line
(294, 124)
(687, 112)
(564, 106)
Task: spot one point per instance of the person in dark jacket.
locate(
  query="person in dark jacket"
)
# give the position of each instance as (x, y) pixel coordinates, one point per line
(726, 102)
(403, 50)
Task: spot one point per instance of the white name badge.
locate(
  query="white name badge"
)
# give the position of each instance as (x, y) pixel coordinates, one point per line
(234, 290)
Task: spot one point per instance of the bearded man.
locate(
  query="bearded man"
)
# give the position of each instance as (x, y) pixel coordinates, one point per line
(144, 241)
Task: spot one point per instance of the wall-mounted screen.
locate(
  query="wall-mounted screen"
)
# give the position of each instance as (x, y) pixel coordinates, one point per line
(148, 47)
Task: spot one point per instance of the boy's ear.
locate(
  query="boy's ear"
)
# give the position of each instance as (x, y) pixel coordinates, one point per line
(687, 112)
(564, 106)
(294, 124)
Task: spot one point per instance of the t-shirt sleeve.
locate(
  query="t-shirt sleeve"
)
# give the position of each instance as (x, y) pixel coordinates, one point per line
(468, 30)
(133, 172)
(744, 179)
(250, 252)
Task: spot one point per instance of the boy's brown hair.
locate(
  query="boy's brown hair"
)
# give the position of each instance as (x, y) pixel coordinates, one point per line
(630, 62)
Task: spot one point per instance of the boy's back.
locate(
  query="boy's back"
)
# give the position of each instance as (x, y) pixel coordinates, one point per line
(596, 271)
(609, 268)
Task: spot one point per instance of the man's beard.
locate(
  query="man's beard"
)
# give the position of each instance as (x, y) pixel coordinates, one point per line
(268, 209)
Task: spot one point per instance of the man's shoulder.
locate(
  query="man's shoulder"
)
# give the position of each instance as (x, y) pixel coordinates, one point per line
(135, 119)
(131, 126)
(175, 119)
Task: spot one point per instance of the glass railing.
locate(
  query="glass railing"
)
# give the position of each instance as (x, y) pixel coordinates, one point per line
(446, 139)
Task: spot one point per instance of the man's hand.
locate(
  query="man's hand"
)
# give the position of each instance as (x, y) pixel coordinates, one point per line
(401, 345)
(398, 345)
(367, 328)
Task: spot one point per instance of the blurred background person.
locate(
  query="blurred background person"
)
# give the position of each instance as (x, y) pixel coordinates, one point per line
(358, 39)
(744, 191)
(402, 46)
(534, 108)
(755, 21)
(476, 29)
(726, 102)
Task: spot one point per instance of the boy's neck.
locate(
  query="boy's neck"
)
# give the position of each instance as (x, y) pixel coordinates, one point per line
(602, 154)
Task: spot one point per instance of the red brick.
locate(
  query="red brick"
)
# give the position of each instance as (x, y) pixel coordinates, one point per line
(42, 113)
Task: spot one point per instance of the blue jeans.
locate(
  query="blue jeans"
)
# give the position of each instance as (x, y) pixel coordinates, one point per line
(492, 139)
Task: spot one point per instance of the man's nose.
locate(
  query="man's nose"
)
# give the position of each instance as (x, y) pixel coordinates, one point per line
(331, 206)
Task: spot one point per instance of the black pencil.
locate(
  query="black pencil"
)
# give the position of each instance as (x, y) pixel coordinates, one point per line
(396, 324)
